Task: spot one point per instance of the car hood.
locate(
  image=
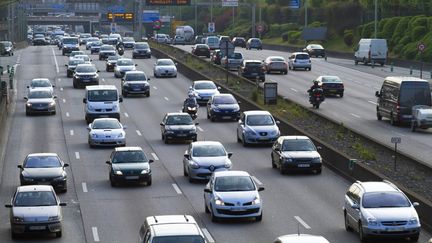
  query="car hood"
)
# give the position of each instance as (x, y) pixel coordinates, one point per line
(107, 132)
(300, 154)
(227, 106)
(43, 101)
(390, 214)
(206, 92)
(268, 129)
(238, 196)
(42, 172)
(207, 161)
(85, 74)
(40, 213)
(131, 166)
(180, 127)
(137, 82)
(126, 68)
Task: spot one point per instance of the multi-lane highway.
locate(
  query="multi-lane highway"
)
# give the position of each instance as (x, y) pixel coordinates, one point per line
(357, 109)
(97, 212)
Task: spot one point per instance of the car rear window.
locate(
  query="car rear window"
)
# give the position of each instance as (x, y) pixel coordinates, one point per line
(141, 46)
(298, 145)
(179, 239)
(302, 56)
(415, 93)
(179, 120)
(384, 200)
(253, 64)
(135, 77)
(331, 80)
(224, 100)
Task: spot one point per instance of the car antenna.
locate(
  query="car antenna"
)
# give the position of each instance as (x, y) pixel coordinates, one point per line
(187, 220)
(155, 219)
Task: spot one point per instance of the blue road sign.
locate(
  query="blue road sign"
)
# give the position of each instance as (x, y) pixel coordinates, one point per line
(58, 6)
(294, 3)
(116, 9)
(149, 16)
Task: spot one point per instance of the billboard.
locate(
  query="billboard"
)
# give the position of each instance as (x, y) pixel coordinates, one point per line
(168, 2)
(149, 16)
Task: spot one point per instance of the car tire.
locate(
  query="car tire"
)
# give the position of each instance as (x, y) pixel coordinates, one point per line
(414, 238)
(355, 62)
(347, 226)
(392, 120)
(14, 235)
(285, 72)
(310, 69)
(165, 140)
(363, 238)
(245, 144)
(28, 113)
(206, 208)
(124, 94)
(413, 126)
(58, 234)
(259, 218)
(379, 117)
(318, 171)
(273, 162)
(341, 95)
(191, 180)
(74, 84)
(148, 94)
(149, 182)
(185, 173)
(213, 118)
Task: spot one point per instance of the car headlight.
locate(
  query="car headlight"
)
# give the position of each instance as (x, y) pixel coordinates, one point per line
(372, 222)
(256, 200)
(95, 75)
(288, 160)
(118, 172)
(169, 131)
(60, 178)
(121, 135)
(191, 108)
(93, 135)
(227, 165)
(28, 104)
(250, 133)
(52, 103)
(316, 160)
(219, 202)
(90, 108)
(193, 165)
(274, 133)
(145, 171)
(236, 109)
(215, 108)
(54, 218)
(115, 108)
(17, 219)
(413, 221)
(192, 131)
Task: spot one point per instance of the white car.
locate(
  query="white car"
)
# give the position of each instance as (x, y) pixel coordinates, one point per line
(41, 83)
(300, 238)
(203, 90)
(122, 66)
(91, 40)
(106, 132)
(86, 58)
(165, 68)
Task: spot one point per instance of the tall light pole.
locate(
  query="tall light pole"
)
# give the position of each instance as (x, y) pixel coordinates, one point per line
(211, 11)
(140, 12)
(306, 13)
(376, 18)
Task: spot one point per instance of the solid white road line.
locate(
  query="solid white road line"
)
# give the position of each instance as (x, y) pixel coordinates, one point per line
(95, 234)
(139, 133)
(207, 235)
(166, 98)
(77, 155)
(84, 187)
(71, 132)
(300, 220)
(200, 129)
(155, 156)
(177, 189)
(64, 100)
(374, 103)
(126, 114)
(354, 115)
(67, 114)
(294, 90)
(55, 60)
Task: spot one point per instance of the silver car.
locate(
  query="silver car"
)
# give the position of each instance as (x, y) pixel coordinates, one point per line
(41, 83)
(233, 194)
(300, 238)
(300, 60)
(203, 90)
(122, 66)
(202, 158)
(106, 132)
(232, 62)
(257, 127)
(35, 209)
(165, 68)
(380, 209)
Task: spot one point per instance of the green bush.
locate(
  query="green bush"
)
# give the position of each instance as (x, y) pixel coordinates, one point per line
(315, 24)
(289, 26)
(400, 30)
(274, 30)
(293, 36)
(398, 49)
(418, 32)
(405, 40)
(419, 20)
(368, 30)
(348, 37)
(388, 29)
(409, 51)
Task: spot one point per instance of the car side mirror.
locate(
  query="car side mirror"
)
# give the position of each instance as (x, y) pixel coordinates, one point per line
(151, 161)
(55, 96)
(196, 124)
(124, 126)
(355, 206)
(8, 205)
(84, 100)
(20, 167)
(53, 85)
(277, 149)
(219, 88)
(28, 86)
(108, 162)
(120, 99)
(136, 65)
(319, 147)
(377, 94)
(260, 188)
(230, 154)
(66, 165)
(66, 65)
(187, 156)
(278, 122)
(26, 98)
(161, 124)
(62, 204)
(415, 204)
(238, 102)
(89, 127)
(98, 71)
(207, 190)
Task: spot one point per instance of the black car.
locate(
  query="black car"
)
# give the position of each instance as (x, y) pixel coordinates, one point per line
(135, 82)
(239, 41)
(105, 51)
(71, 66)
(39, 40)
(129, 164)
(111, 62)
(254, 43)
(315, 50)
(201, 50)
(141, 49)
(44, 169)
(252, 69)
(85, 74)
(178, 126)
(223, 106)
(331, 85)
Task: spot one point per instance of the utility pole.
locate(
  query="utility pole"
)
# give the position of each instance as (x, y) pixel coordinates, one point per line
(306, 13)
(253, 20)
(196, 11)
(376, 19)
(259, 17)
(211, 11)
(140, 11)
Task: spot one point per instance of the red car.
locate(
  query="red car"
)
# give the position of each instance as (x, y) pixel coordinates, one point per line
(201, 50)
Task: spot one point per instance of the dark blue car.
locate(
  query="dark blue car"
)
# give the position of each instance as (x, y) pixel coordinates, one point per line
(223, 107)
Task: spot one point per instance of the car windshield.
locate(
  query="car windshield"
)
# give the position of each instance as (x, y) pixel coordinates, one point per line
(384, 200)
(331, 80)
(226, 99)
(85, 69)
(35, 198)
(40, 83)
(302, 56)
(208, 151)
(259, 120)
(179, 239)
(141, 46)
(129, 157)
(107, 48)
(40, 94)
(298, 145)
(233, 183)
(106, 124)
(75, 62)
(179, 120)
(42, 162)
(135, 77)
(167, 62)
(70, 40)
(7, 43)
(236, 55)
(277, 59)
(128, 39)
(102, 95)
(125, 63)
(115, 57)
(96, 43)
(205, 85)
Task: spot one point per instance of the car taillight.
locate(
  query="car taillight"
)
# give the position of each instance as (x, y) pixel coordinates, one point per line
(285, 65)
(398, 109)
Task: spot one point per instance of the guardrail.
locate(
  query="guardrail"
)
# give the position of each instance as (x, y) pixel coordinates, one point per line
(336, 160)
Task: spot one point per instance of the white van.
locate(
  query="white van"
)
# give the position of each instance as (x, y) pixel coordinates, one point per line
(101, 101)
(212, 42)
(371, 51)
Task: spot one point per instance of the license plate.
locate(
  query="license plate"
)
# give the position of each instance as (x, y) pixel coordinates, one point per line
(132, 177)
(238, 209)
(333, 90)
(303, 165)
(181, 135)
(226, 117)
(104, 116)
(136, 89)
(395, 229)
(39, 227)
(254, 74)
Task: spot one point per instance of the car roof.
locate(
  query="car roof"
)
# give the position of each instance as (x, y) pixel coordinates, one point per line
(47, 89)
(297, 53)
(293, 137)
(106, 119)
(177, 114)
(402, 78)
(165, 225)
(170, 219)
(134, 72)
(40, 79)
(163, 59)
(41, 154)
(141, 42)
(85, 64)
(302, 238)
(230, 173)
(122, 149)
(257, 112)
(253, 61)
(128, 59)
(203, 81)
(224, 94)
(101, 87)
(34, 188)
(377, 186)
(329, 76)
(198, 143)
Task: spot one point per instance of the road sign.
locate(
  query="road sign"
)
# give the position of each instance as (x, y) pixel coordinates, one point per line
(168, 2)
(229, 3)
(149, 16)
(116, 9)
(157, 24)
(421, 47)
(113, 27)
(396, 140)
(294, 4)
(211, 27)
(260, 28)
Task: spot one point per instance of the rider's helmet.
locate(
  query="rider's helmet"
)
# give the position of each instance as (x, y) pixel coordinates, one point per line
(315, 82)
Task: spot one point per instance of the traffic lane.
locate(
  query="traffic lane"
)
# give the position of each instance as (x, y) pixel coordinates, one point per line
(36, 134)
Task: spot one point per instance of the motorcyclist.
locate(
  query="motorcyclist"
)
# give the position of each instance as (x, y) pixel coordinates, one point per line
(314, 86)
(120, 48)
(315, 89)
(190, 101)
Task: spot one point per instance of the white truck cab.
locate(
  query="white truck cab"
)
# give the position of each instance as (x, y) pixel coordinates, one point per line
(101, 101)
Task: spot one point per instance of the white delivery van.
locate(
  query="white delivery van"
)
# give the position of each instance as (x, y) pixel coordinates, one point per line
(371, 51)
(101, 101)
(212, 42)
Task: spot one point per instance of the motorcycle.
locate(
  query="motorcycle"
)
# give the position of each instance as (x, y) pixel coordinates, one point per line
(120, 51)
(192, 110)
(316, 96)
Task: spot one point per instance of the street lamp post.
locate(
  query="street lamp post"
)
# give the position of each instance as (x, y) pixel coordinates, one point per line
(376, 18)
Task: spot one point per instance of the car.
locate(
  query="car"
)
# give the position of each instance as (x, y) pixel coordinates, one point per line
(212, 42)
(296, 153)
(198, 39)
(331, 85)
(128, 42)
(105, 40)
(69, 44)
(35, 208)
(216, 57)
(162, 38)
(203, 90)
(39, 101)
(378, 209)
(253, 43)
(135, 82)
(86, 58)
(276, 64)
(111, 61)
(316, 50)
(201, 50)
(101, 101)
(170, 228)
(252, 69)
(233, 61)
(95, 46)
(39, 40)
(42, 169)
(90, 41)
(41, 83)
(74, 53)
(141, 49)
(202, 158)
(129, 164)
(85, 74)
(239, 41)
(71, 66)
(299, 60)
(116, 36)
(224, 38)
(300, 238)
(8, 48)
(105, 51)
(257, 127)
(122, 66)
(83, 38)
(178, 126)
(223, 106)
(178, 40)
(165, 68)
(106, 132)
(233, 194)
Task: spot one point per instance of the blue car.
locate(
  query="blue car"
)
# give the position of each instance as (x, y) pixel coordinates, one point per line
(257, 127)
(223, 106)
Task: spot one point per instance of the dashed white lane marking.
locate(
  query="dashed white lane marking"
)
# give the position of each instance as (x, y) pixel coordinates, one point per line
(154, 87)
(155, 156)
(95, 234)
(71, 132)
(55, 60)
(294, 90)
(67, 114)
(300, 220)
(258, 181)
(200, 129)
(177, 189)
(207, 235)
(84, 187)
(126, 114)
(61, 89)
(354, 115)
(77, 155)
(103, 80)
(138, 132)
(166, 98)
(59, 79)
(372, 102)
(64, 100)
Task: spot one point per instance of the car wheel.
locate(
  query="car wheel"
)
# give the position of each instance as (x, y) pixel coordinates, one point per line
(362, 237)
(259, 218)
(28, 113)
(124, 93)
(59, 234)
(53, 113)
(185, 173)
(273, 162)
(14, 235)
(149, 182)
(379, 117)
(148, 94)
(281, 170)
(347, 226)
(356, 62)
(285, 72)
(191, 180)
(75, 85)
(245, 144)
(208, 115)
(341, 95)
(318, 171)
(392, 120)
(165, 140)
(213, 118)
(206, 208)
(100, 59)
(414, 238)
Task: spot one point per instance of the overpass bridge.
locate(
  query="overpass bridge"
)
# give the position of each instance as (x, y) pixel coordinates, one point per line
(88, 22)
